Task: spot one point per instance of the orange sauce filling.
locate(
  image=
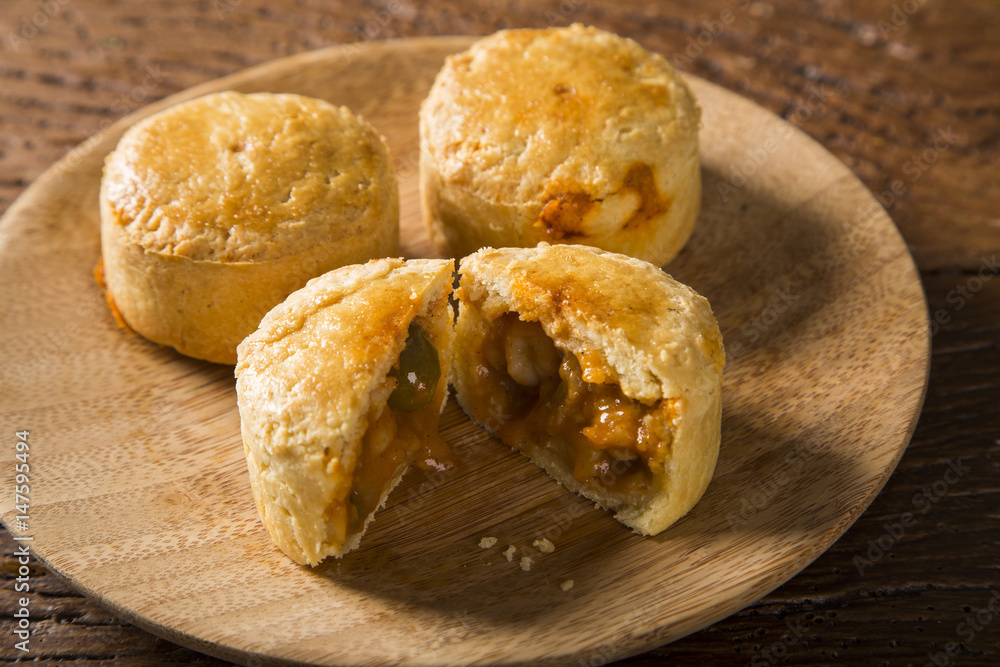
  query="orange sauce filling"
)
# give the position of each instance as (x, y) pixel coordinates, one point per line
(652, 204)
(608, 440)
(387, 445)
(562, 216)
(393, 439)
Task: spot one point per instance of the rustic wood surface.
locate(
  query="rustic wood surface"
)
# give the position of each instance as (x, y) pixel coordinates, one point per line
(889, 88)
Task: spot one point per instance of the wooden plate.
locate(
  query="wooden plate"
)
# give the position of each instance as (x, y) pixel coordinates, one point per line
(139, 493)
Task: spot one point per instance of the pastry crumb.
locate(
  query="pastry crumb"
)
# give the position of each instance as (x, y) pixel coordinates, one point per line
(544, 545)
(566, 585)
(526, 563)
(487, 542)
(509, 553)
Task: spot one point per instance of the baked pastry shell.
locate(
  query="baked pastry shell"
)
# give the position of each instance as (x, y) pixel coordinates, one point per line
(510, 158)
(203, 308)
(656, 338)
(310, 374)
(203, 305)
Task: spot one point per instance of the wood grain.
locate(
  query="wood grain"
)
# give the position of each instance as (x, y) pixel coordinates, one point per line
(892, 90)
(140, 495)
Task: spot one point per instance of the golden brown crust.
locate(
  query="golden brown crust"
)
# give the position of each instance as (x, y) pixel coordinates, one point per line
(627, 323)
(570, 135)
(214, 210)
(310, 376)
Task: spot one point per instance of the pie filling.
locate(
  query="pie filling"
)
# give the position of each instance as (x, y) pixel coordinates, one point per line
(401, 430)
(533, 395)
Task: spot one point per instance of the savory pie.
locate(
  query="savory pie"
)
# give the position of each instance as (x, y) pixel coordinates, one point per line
(339, 389)
(564, 135)
(215, 209)
(600, 368)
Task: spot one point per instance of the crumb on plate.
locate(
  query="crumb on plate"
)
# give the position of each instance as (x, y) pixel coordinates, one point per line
(544, 545)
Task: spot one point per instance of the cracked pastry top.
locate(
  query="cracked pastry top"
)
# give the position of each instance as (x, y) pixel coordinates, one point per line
(562, 135)
(599, 367)
(215, 209)
(339, 390)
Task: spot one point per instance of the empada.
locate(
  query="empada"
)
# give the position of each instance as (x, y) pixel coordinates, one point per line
(339, 389)
(215, 209)
(565, 135)
(602, 369)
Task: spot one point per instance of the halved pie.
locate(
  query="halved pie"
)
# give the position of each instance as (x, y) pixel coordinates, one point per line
(601, 368)
(339, 389)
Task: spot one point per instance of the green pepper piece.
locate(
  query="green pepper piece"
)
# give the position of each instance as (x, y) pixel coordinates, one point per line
(417, 371)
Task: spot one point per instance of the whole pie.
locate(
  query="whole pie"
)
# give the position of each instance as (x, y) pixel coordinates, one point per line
(564, 135)
(215, 209)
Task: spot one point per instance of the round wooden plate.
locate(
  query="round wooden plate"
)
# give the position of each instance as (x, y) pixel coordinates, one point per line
(140, 496)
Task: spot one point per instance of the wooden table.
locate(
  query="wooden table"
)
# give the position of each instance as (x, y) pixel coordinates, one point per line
(906, 93)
